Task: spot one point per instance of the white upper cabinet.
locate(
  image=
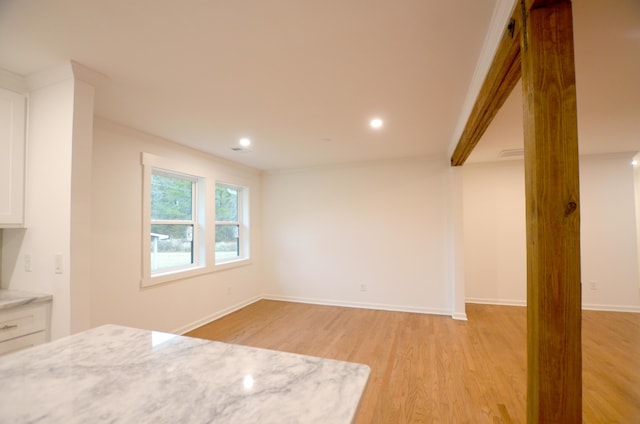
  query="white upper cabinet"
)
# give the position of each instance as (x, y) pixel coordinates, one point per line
(12, 158)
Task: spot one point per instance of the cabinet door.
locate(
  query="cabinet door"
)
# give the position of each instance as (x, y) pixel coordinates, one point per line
(12, 158)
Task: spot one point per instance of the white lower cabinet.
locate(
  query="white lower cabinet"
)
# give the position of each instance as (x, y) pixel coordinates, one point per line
(24, 326)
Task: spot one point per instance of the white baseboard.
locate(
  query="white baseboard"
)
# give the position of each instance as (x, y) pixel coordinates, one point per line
(587, 307)
(378, 306)
(611, 308)
(459, 316)
(217, 315)
(383, 307)
(500, 302)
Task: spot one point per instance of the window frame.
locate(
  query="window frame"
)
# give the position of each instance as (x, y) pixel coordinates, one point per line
(201, 247)
(193, 222)
(244, 256)
(206, 180)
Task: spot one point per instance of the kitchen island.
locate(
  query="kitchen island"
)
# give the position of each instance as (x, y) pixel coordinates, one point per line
(119, 374)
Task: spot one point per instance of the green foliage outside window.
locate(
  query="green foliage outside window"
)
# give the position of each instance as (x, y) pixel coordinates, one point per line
(226, 204)
(227, 211)
(171, 199)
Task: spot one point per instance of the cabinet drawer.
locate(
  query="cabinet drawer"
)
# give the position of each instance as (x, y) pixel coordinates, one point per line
(16, 322)
(23, 342)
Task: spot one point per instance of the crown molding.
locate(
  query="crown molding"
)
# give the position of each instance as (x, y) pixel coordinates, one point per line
(62, 72)
(13, 82)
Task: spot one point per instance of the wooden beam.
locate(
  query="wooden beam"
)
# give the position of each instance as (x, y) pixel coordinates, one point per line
(502, 76)
(536, 4)
(554, 359)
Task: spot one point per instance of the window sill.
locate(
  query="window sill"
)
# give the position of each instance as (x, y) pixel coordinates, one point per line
(232, 264)
(194, 272)
(173, 276)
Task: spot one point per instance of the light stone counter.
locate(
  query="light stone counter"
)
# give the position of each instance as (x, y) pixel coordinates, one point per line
(13, 298)
(116, 374)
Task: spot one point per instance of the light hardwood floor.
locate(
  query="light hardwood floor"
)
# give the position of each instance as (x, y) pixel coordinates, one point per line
(433, 369)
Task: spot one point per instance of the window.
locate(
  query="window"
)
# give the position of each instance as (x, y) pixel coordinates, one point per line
(184, 232)
(231, 223)
(173, 221)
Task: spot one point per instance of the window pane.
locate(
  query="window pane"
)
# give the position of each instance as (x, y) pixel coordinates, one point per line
(171, 246)
(226, 204)
(171, 197)
(227, 241)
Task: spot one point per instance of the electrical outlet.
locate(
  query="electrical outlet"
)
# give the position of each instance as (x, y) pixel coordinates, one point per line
(593, 285)
(363, 287)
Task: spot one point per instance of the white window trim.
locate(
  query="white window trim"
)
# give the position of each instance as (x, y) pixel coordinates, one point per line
(243, 221)
(206, 183)
(204, 248)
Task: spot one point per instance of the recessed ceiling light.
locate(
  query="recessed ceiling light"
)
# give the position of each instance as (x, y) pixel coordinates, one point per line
(245, 142)
(376, 123)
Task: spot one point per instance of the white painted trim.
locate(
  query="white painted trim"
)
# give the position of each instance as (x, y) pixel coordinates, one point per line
(203, 246)
(586, 307)
(611, 308)
(498, 302)
(361, 305)
(456, 228)
(13, 82)
(50, 76)
(62, 72)
(217, 315)
(382, 307)
(86, 74)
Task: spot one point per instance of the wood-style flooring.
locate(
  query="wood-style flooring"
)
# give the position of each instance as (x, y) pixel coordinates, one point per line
(433, 369)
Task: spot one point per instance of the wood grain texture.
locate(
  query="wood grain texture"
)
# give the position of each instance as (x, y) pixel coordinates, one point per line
(432, 369)
(502, 77)
(553, 217)
(535, 4)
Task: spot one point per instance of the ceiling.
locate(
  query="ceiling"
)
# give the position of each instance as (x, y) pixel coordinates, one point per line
(302, 78)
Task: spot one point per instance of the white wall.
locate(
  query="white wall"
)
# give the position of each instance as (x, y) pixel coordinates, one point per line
(116, 295)
(608, 236)
(495, 232)
(329, 230)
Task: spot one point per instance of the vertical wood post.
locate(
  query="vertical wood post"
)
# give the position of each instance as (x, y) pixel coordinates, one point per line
(554, 357)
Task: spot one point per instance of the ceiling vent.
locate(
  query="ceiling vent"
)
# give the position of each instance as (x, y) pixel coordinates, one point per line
(241, 149)
(511, 153)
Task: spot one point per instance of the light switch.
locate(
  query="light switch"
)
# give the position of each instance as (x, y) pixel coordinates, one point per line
(27, 262)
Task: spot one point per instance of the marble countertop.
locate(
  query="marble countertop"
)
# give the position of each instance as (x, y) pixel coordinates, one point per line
(119, 374)
(13, 298)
